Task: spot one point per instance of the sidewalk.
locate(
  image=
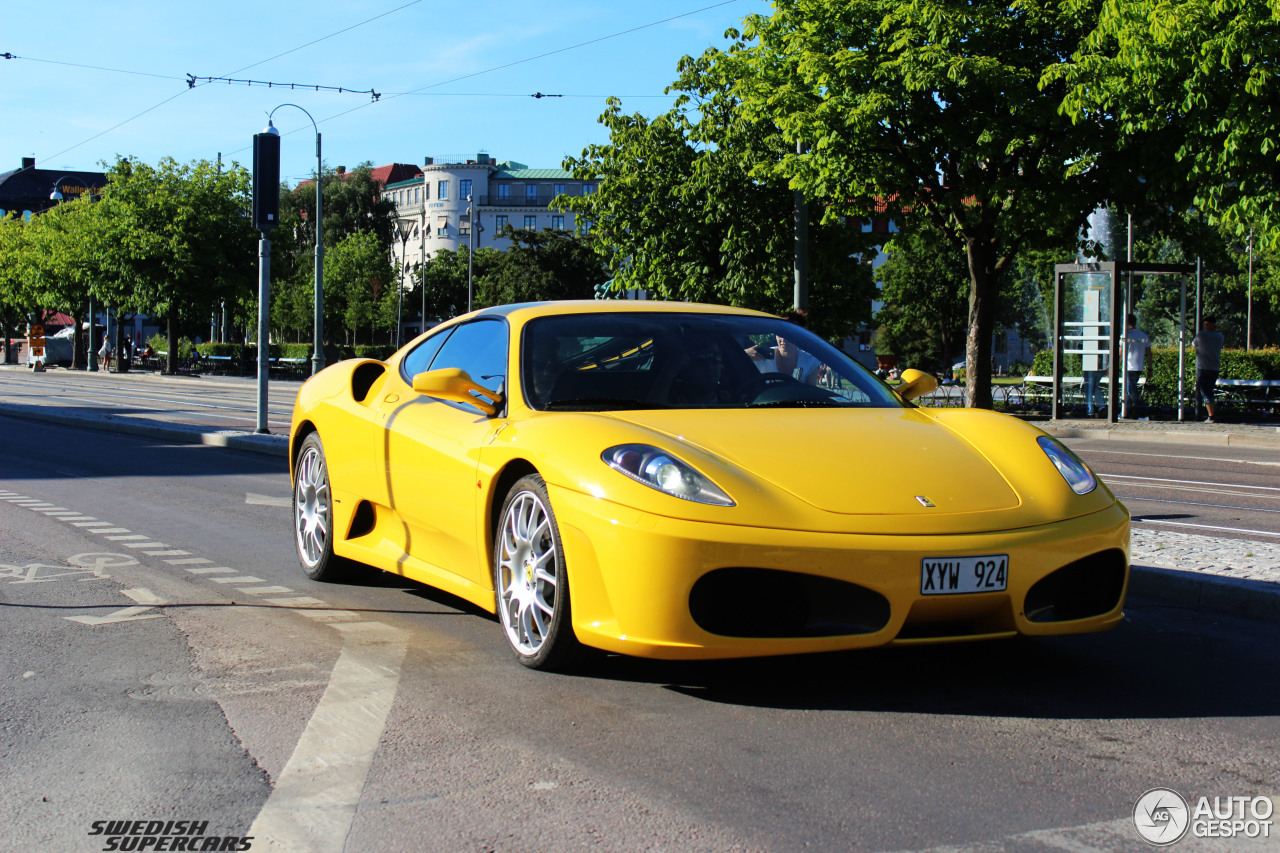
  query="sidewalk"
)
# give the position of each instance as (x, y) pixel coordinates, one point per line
(1233, 576)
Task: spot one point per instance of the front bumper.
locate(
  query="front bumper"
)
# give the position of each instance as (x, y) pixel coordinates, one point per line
(632, 575)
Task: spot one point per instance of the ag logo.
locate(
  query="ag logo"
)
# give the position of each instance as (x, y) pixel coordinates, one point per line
(1161, 816)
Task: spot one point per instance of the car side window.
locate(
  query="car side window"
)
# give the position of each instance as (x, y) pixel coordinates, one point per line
(480, 348)
(419, 360)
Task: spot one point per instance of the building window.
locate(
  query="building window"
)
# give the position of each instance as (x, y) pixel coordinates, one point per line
(558, 189)
(426, 190)
(442, 192)
(530, 192)
(464, 225)
(416, 199)
(588, 189)
(442, 224)
(499, 222)
(557, 222)
(464, 188)
(531, 222)
(504, 190)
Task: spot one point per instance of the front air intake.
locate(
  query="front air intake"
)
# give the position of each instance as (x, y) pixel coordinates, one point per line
(746, 602)
(1088, 587)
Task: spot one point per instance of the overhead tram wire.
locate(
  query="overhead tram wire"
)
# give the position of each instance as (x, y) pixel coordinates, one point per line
(422, 90)
(190, 87)
(418, 91)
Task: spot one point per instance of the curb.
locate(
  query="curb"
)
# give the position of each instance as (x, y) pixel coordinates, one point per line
(270, 444)
(1228, 596)
(1220, 439)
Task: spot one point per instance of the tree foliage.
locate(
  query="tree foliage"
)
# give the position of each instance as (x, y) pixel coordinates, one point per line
(360, 285)
(541, 265)
(176, 239)
(680, 213)
(1201, 77)
(935, 110)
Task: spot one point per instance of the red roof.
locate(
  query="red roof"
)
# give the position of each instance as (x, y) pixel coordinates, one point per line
(383, 175)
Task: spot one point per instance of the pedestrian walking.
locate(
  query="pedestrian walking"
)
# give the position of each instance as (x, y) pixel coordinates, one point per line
(1139, 362)
(1208, 346)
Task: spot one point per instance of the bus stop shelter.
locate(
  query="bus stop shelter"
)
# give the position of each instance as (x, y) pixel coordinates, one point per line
(1090, 301)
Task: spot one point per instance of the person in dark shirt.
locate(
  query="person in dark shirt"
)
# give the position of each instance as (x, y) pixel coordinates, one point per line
(1208, 346)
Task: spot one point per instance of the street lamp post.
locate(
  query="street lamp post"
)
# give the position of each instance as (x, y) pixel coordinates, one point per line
(471, 250)
(405, 228)
(317, 356)
(1248, 335)
(91, 355)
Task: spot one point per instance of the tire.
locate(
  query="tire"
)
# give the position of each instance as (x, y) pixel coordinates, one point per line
(530, 584)
(313, 514)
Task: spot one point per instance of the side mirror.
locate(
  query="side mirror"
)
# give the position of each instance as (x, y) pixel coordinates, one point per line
(452, 383)
(916, 383)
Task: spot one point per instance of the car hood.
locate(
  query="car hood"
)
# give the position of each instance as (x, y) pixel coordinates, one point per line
(847, 461)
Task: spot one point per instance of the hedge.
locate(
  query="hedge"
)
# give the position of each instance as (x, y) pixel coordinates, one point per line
(1162, 382)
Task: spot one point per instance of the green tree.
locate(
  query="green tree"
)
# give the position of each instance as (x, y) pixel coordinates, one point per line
(360, 285)
(924, 286)
(177, 240)
(936, 109)
(1199, 75)
(683, 212)
(444, 280)
(541, 265)
(12, 303)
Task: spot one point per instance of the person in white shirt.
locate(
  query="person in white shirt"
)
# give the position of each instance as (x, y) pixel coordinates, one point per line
(1140, 360)
(786, 357)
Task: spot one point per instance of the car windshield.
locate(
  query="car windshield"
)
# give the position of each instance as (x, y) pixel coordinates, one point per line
(638, 360)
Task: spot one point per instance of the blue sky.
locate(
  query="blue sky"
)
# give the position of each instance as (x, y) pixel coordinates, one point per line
(456, 78)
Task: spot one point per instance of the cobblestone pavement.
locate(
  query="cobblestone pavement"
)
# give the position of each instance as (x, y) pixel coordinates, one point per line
(1234, 558)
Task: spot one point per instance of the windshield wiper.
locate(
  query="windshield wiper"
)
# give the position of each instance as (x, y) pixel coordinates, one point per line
(795, 404)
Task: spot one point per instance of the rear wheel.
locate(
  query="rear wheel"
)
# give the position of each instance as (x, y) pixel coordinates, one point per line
(530, 585)
(313, 514)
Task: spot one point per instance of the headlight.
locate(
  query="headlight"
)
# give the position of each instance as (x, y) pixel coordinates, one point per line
(1070, 466)
(660, 470)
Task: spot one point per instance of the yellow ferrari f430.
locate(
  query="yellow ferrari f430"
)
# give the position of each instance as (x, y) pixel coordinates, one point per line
(690, 481)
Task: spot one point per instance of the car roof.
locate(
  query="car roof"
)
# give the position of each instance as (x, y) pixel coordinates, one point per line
(524, 311)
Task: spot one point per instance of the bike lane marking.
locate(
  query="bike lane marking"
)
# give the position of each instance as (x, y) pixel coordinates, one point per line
(314, 802)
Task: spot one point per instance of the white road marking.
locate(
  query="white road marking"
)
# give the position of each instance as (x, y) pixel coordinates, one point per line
(145, 598)
(206, 571)
(1175, 456)
(174, 553)
(91, 524)
(188, 561)
(299, 601)
(1193, 482)
(106, 530)
(131, 536)
(315, 798)
(266, 500)
(264, 590)
(239, 579)
(1206, 527)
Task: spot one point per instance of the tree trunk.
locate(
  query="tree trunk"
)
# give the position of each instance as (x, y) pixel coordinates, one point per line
(171, 363)
(78, 347)
(982, 312)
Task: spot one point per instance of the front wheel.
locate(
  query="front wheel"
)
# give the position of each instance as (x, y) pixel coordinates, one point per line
(530, 585)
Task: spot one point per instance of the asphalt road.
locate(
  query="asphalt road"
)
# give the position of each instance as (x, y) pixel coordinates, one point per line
(167, 659)
(1230, 492)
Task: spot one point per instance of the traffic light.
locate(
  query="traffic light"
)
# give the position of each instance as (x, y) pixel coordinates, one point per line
(266, 180)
